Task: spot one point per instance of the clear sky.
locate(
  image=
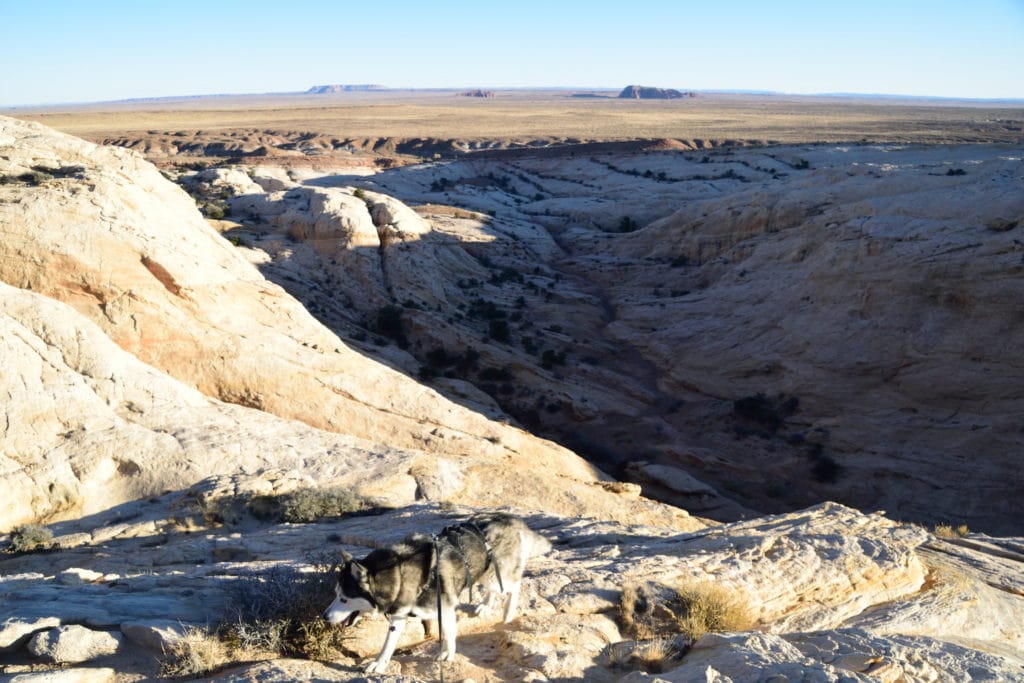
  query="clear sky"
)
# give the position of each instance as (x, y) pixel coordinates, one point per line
(81, 51)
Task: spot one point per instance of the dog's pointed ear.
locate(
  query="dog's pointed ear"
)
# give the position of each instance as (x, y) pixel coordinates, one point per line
(360, 574)
(346, 557)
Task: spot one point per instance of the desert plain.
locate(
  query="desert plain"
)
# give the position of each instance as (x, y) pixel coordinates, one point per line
(770, 342)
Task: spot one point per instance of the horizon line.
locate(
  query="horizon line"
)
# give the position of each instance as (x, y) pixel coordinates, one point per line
(372, 88)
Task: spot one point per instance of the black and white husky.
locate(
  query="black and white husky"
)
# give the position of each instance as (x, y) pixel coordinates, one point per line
(423, 576)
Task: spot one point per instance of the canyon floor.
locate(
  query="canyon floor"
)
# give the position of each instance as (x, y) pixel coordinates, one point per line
(730, 306)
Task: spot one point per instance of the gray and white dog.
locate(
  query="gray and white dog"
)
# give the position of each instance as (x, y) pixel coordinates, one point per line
(400, 581)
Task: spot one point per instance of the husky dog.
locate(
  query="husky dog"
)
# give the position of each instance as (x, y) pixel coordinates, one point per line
(424, 576)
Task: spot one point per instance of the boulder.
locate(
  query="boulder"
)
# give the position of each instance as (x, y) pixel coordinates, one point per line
(74, 644)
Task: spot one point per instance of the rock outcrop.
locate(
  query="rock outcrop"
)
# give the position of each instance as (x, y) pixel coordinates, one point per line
(339, 88)
(818, 584)
(162, 396)
(642, 92)
(102, 231)
(786, 325)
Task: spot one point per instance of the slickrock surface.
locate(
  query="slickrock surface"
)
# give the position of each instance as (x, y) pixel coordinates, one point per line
(90, 425)
(869, 294)
(819, 583)
(162, 383)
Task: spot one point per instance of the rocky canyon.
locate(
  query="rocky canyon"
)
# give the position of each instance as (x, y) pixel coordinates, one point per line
(789, 370)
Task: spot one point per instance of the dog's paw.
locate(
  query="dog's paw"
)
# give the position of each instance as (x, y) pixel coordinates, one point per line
(446, 655)
(375, 667)
(483, 610)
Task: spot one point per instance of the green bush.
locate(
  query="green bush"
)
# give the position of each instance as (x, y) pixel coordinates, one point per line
(391, 324)
(30, 537)
(310, 504)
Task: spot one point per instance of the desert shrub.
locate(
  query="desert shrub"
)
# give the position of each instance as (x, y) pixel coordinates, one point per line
(280, 612)
(549, 359)
(493, 374)
(768, 412)
(825, 470)
(33, 178)
(303, 505)
(949, 531)
(654, 656)
(391, 324)
(627, 224)
(481, 309)
(358, 193)
(196, 653)
(213, 210)
(310, 504)
(29, 537)
(691, 609)
(498, 330)
(711, 608)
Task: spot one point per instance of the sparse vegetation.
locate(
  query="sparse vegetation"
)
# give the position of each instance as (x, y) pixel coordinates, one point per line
(949, 531)
(303, 505)
(825, 469)
(496, 375)
(30, 537)
(196, 653)
(653, 656)
(549, 359)
(390, 323)
(692, 609)
(627, 224)
(310, 504)
(279, 612)
(767, 412)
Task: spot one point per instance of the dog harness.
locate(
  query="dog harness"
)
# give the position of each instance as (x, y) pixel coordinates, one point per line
(453, 534)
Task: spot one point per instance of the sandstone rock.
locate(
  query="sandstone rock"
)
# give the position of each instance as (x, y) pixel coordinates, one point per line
(76, 576)
(833, 590)
(864, 282)
(640, 92)
(15, 631)
(70, 675)
(143, 265)
(68, 380)
(157, 636)
(74, 644)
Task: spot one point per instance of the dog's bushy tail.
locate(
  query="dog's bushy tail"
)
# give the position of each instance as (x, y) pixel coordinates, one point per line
(534, 545)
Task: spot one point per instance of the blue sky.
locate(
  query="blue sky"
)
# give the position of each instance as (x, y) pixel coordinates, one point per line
(80, 51)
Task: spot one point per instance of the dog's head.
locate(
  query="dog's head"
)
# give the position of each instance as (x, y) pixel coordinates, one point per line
(353, 594)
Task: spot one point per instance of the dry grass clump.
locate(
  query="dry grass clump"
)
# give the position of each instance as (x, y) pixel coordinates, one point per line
(949, 531)
(279, 612)
(711, 608)
(196, 653)
(690, 609)
(653, 656)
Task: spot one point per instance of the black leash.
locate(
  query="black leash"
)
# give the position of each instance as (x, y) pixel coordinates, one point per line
(446, 534)
(437, 589)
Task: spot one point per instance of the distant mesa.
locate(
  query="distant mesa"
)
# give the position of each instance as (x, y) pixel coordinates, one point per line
(331, 89)
(641, 92)
(476, 93)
